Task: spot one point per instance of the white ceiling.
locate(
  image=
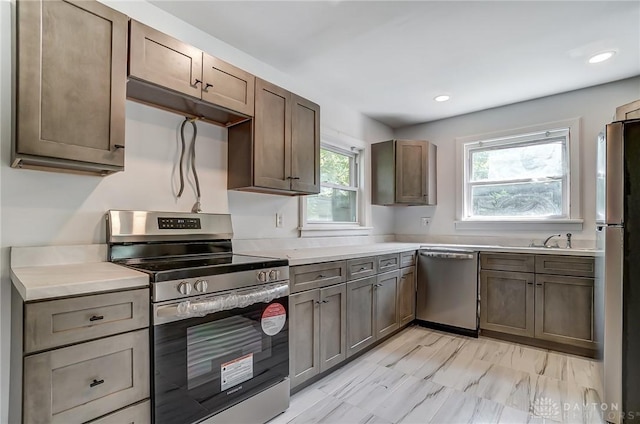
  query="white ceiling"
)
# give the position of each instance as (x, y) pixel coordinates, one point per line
(389, 59)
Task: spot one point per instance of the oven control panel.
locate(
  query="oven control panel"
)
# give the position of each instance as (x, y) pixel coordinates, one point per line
(198, 286)
(179, 223)
(268, 275)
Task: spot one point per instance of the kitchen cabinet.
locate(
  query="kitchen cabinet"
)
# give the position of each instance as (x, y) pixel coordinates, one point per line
(307, 277)
(628, 111)
(386, 303)
(550, 299)
(403, 172)
(361, 314)
(507, 302)
(279, 150)
(168, 73)
(86, 357)
(407, 295)
(318, 331)
(70, 87)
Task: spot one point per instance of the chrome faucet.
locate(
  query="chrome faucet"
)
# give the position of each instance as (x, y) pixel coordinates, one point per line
(544, 243)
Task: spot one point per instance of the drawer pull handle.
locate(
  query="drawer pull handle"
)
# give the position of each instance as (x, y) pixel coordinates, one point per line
(320, 276)
(96, 383)
(96, 318)
(362, 269)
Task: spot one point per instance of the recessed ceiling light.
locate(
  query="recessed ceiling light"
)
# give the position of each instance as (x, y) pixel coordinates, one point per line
(601, 57)
(442, 98)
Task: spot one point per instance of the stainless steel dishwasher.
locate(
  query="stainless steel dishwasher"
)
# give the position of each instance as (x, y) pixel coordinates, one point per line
(447, 297)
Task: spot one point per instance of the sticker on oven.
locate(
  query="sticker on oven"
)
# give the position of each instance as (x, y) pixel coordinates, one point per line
(237, 371)
(273, 319)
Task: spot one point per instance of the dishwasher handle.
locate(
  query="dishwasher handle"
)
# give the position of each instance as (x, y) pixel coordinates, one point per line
(443, 254)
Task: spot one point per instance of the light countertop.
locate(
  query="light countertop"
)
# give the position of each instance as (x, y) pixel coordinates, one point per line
(303, 256)
(49, 281)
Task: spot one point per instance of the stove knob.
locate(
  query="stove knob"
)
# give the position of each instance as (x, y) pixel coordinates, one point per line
(184, 288)
(262, 276)
(273, 275)
(201, 285)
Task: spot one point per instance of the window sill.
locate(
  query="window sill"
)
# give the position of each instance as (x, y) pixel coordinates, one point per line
(541, 225)
(328, 230)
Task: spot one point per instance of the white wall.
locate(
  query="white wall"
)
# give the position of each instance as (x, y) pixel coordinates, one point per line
(43, 208)
(595, 105)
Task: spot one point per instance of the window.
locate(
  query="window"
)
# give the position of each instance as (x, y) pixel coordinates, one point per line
(519, 177)
(338, 198)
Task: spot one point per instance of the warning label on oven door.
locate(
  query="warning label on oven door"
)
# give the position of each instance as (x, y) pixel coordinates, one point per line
(273, 319)
(237, 371)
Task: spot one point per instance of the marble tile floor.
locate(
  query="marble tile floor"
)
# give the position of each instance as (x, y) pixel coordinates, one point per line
(427, 376)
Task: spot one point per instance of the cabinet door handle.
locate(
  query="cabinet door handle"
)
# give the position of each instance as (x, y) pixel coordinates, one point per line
(195, 84)
(530, 284)
(377, 285)
(293, 178)
(96, 318)
(96, 383)
(317, 302)
(206, 87)
(118, 146)
(325, 301)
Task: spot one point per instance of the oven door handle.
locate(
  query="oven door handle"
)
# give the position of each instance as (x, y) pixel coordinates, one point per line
(203, 306)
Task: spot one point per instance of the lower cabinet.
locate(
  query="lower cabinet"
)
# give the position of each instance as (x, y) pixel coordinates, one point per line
(361, 314)
(140, 413)
(317, 331)
(553, 301)
(407, 295)
(331, 323)
(386, 303)
(564, 310)
(84, 381)
(507, 302)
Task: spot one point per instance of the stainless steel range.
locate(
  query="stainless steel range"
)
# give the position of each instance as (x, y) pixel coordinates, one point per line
(220, 343)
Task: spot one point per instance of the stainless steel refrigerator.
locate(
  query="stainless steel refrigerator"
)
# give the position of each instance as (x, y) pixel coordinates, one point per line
(617, 299)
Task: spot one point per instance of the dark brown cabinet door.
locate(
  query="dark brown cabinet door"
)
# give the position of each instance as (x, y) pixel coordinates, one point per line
(386, 303)
(272, 143)
(305, 146)
(564, 310)
(507, 302)
(160, 59)
(227, 86)
(407, 295)
(72, 59)
(411, 172)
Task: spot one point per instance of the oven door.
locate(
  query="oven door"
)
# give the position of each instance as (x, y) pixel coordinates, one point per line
(205, 364)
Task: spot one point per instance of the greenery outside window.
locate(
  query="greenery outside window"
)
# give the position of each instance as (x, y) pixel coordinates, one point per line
(521, 177)
(338, 200)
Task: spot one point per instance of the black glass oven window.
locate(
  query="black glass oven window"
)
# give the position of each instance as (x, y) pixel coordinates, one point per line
(210, 346)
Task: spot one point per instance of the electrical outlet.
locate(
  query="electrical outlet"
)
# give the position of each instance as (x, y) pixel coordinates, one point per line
(279, 220)
(424, 221)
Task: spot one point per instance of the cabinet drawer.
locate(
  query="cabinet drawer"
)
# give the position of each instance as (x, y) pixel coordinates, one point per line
(88, 380)
(307, 277)
(578, 266)
(407, 259)
(139, 413)
(361, 267)
(388, 262)
(515, 262)
(66, 321)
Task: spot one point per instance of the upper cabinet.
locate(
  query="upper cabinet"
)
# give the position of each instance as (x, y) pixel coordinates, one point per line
(279, 151)
(403, 172)
(168, 73)
(628, 111)
(71, 76)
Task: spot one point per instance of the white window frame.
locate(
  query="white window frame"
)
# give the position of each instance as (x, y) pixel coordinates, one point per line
(342, 144)
(570, 218)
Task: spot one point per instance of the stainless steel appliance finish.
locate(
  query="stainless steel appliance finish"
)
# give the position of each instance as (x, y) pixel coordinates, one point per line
(447, 293)
(617, 266)
(220, 344)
